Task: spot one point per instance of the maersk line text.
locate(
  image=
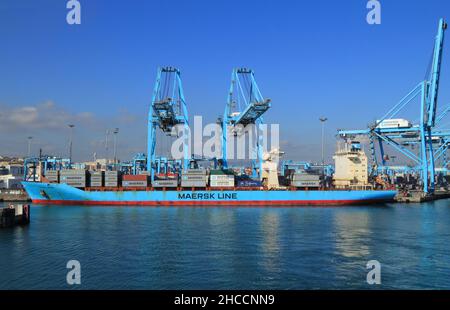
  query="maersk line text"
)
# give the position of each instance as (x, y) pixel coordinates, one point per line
(208, 196)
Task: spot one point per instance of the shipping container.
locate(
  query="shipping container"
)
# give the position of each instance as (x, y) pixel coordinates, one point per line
(193, 183)
(112, 175)
(193, 178)
(165, 176)
(111, 184)
(66, 179)
(72, 172)
(134, 183)
(95, 173)
(221, 172)
(305, 177)
(222, 177)
(131, 177)
(165, 183)
(394, 123)
(249, 183)
(111, 179)
(52, 176)
(222, 183)
(306, 183)
(75, 183)
(194, 171)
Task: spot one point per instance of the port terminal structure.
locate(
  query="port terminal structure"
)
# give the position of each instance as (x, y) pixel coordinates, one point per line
(426, 134)
(168, 109)
(33, 164)
(245, 105)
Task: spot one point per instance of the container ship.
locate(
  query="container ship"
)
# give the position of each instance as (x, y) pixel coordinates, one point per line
(202, 187)
(63, 194)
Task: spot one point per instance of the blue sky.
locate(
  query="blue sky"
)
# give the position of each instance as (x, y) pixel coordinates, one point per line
(312, 58)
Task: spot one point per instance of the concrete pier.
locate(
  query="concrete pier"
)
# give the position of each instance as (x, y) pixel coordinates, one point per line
(419, 196)
(14, 214)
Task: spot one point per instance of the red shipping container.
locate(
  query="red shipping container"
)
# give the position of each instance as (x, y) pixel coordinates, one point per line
(130, 177)
(166, 175)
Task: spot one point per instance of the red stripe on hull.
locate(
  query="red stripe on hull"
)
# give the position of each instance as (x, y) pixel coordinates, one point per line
(212, 203)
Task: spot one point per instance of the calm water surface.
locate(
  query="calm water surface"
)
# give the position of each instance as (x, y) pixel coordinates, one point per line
(229, 248)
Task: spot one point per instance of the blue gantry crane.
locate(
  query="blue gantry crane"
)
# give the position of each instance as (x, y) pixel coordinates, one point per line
(398, 136)
(245, 106)
(168, 109)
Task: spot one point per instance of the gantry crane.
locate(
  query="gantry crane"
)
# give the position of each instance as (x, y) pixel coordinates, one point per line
(168, 109)
(427, 91)
(245, 105)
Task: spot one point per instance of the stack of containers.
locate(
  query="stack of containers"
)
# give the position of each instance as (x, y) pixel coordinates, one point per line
(130, 180)
(111, 178)
(221, 178)
(52, 176)
(73, 177)
(96, 178)
(194, 178)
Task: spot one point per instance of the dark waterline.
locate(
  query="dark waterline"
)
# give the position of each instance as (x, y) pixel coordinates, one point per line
(230, 248)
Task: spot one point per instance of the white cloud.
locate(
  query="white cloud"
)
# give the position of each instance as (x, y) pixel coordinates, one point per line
(47, 123)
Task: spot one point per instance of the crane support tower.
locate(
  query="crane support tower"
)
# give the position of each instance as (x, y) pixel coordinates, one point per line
(168, 109)
(404, 133)
(245, 105)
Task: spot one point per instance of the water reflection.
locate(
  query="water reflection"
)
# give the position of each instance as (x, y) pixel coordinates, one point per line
(352, 233)
(270, 245)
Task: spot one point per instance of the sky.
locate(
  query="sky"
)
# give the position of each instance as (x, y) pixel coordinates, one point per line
(311, 58)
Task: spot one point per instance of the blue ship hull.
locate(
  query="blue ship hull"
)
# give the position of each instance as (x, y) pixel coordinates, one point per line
(52, 193)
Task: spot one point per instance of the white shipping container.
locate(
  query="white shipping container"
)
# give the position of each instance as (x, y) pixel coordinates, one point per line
(165, 183)
(306, 177)
(222, 177)
(222, 183)
(194, 177)
(73, 171)
(306, 184)
(195, 171)
(111, 173)
(394, 123)
(73, 178)
(193, 184)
